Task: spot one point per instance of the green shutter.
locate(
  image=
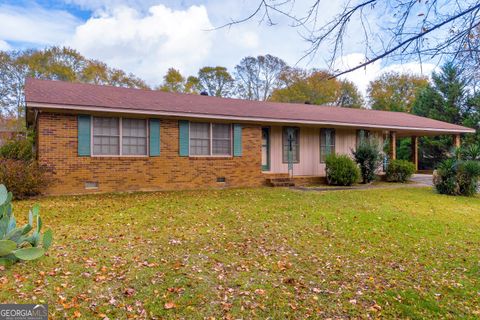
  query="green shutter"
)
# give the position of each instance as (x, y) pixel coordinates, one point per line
(84, 131)
(183, 138)
(154, 126)
(237, 140)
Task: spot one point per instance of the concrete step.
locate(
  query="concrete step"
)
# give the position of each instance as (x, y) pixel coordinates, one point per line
(280, 182)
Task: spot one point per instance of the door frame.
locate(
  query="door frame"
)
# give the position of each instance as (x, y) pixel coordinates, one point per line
(268, 165)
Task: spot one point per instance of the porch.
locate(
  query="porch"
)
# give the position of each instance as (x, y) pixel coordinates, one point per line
(310, 144)
(392, 138)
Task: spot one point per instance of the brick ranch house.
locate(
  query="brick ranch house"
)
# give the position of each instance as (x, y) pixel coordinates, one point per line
(102, 138)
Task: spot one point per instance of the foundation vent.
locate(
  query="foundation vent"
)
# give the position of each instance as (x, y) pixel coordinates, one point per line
(91, 185)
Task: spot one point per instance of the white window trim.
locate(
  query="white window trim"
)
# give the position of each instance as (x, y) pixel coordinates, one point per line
(211, 155)
(120, 123)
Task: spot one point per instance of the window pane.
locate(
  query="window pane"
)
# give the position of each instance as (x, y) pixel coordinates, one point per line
(199, 139)
(106, 140)
(134, 137)
(327, 143)
(362, 135)
(199, 130)
(105, 126)
(295, 144)
(200, 147)
(221, 139)
(221, 147)
(220, 131)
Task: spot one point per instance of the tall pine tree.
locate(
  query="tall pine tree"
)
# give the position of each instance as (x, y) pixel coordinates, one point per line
(445, 100)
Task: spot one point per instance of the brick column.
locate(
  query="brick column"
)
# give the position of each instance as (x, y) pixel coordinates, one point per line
(393, 145)
(415, 151)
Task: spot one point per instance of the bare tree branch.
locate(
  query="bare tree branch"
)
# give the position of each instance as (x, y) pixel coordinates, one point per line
(411, 28)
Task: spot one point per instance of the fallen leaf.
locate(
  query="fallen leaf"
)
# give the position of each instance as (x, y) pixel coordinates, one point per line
(129, 292)
(260, 292)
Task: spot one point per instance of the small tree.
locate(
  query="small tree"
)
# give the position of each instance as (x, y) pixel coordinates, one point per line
(369, 157)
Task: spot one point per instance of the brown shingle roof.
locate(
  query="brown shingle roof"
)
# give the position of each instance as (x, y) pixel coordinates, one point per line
(90, 97)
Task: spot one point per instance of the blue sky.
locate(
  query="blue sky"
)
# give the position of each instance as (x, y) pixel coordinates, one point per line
(146, 37)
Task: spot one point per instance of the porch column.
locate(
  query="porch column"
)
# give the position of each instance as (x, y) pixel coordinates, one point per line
(393, 145)
(415, 151)
(458, 142)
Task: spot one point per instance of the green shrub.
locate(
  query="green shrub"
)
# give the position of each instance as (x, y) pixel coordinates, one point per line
(17, 243)
(369, 158)
(470, 152)
(399, 170)
(17, 149)
(23, 178)
(341, 170)
(444, 178)
(468, 173)
(457, 177)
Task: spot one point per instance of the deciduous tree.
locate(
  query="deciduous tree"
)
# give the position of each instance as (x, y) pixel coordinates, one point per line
(173, 81)
(257, 77)
(216, 81)
(316, 87)
(56, 63)
(349, 96)
(395, 91)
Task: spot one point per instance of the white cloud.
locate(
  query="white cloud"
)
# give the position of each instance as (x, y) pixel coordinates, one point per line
(146, 38)
(35, 25)
(4, 45)
(360, 77)
(147, 44)
(109, 4)
(425, 69)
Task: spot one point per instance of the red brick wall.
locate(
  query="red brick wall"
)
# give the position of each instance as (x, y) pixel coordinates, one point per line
(57, 148)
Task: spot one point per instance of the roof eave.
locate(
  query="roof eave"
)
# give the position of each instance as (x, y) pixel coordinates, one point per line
(40, 105)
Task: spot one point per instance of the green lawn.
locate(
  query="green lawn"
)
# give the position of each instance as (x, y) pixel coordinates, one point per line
(254, 253)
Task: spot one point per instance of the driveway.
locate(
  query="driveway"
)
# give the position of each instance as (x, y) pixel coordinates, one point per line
(424, 179)
(417, 180)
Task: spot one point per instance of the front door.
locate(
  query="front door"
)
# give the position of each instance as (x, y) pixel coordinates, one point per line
(265, 149)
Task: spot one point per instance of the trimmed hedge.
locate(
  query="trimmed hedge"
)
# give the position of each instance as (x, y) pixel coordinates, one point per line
(341, 170)
(399, 171)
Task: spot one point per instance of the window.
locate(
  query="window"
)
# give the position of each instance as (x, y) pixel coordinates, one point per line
(362, 135)
(117, 136)
(106, 136)
(199, 139)
(221, 139)
(291, 142)
(134, 137)
(327, 143)
(210, 139)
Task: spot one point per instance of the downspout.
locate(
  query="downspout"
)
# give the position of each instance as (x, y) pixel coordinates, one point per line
(35, 138)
